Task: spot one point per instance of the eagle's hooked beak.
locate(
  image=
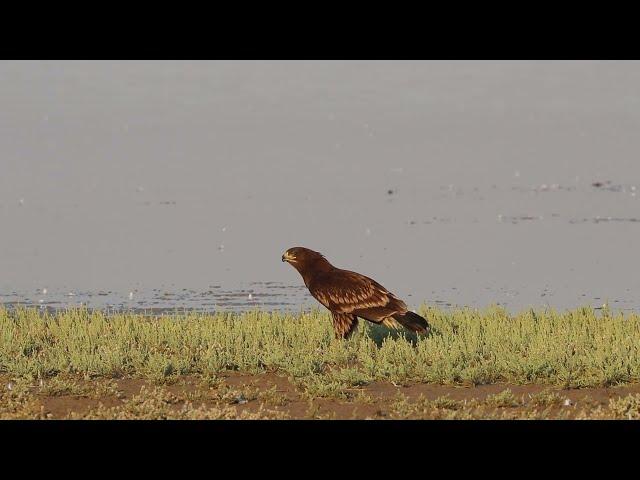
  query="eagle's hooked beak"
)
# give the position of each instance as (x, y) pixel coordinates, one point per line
(287, 257)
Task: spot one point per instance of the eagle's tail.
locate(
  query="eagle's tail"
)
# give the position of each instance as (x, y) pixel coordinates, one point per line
(413, 322)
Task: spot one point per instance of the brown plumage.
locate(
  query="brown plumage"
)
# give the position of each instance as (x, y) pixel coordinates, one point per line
(350, 295)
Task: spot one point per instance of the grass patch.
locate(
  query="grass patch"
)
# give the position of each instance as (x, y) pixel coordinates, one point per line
(626, 407)
(502, 400)
(65, 385)
(443, 408)
(576, 348)
(160, 404)
(545, 398)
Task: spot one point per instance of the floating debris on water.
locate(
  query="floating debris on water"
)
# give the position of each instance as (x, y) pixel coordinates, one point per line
(599, 219)
(554, 187)
(611, 187)
(518, 218)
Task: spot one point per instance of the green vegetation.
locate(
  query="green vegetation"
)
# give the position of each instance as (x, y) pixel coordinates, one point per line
(158, 403)
(84, 364)
(502, 399)
(626, 407)
(545, 398)
(577, 348)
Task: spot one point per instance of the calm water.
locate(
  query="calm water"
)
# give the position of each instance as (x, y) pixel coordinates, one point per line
(158, 185)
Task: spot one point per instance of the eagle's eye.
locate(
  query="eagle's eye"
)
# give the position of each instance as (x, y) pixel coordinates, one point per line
(288, 257)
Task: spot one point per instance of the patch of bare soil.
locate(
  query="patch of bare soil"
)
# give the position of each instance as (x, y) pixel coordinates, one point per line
(269, 395)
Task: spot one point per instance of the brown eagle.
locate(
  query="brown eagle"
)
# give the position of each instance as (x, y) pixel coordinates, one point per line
(349, 295)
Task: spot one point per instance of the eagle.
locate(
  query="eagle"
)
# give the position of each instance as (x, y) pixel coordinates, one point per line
(349, 295)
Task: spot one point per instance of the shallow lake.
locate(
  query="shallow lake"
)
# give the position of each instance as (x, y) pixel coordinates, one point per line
(162, 185)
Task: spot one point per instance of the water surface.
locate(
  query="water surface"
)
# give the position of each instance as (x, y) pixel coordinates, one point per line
(160, 185)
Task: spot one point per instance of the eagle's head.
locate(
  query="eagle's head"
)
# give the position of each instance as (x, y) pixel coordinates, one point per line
(299, 255)
(301, 258)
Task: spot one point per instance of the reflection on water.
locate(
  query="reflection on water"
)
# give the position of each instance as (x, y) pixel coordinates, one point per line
(275, 296)
(260, 295)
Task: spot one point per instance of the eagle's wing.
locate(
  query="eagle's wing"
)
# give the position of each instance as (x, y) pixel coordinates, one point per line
(344, 324)
(343, 291)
